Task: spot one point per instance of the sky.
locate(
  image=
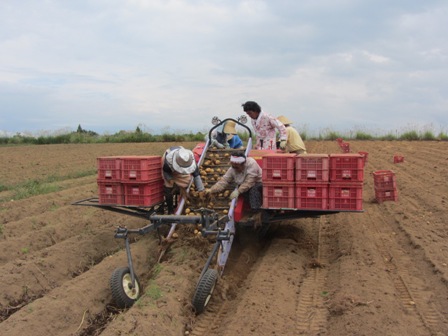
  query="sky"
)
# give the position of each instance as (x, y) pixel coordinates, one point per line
(171, 65)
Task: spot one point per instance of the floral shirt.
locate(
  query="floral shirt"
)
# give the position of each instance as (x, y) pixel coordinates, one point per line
(265, 127)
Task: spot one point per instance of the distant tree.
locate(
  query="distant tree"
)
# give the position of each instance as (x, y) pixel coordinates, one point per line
(138, 130)
(79, 130)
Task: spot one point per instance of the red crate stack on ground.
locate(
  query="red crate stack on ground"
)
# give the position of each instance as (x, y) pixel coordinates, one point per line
(398, 158)
(365, 155)
(278, 175)
(345, 146)
(385, 186)
(346, 182)
(312, 174)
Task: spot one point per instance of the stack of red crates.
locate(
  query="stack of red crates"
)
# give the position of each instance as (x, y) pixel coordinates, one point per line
(385, 186)
(346, 182)
(312, 175)
(278, 181)
(130, 180)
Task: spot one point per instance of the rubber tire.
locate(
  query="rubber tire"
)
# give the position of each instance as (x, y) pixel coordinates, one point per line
(122, 294)
(204, 290)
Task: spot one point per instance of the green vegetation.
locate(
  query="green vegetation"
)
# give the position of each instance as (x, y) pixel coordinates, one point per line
(82, 136)
(153, 291)
(38, 187)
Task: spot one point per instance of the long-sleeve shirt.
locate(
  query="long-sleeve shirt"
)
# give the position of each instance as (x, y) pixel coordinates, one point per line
(294, 142)
(265, 127)
(244, 180)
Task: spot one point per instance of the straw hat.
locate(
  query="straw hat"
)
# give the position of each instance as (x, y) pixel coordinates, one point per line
(183, 161)
(229, 129)
(284, 120)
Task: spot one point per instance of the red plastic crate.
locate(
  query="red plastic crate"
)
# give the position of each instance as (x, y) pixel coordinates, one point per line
(386, 195)
(346, 168)
(278, 195)
(398, 158)
(384, 180)
(109, 168)
(278, 167)
(141, 168)
(110, 193)
(312, 196)
(345, 196)
(258, 154)
(340, 141)
(143, 194)
(312, 167)
(345, 146)
(365, 155)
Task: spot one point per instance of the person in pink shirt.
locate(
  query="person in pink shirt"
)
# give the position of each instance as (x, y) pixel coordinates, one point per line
(265, 127)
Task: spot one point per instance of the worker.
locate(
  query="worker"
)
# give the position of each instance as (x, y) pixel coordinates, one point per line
(178, 167)
(265, 127)
(226, 136)
(246, 174)
(294, 142)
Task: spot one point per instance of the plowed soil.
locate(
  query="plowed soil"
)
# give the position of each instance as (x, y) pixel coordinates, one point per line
(380, 272)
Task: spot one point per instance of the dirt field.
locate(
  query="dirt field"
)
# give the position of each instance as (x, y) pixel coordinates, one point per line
(380, 272)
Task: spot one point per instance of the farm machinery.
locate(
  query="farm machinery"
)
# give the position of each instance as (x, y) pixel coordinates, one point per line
(217, 220)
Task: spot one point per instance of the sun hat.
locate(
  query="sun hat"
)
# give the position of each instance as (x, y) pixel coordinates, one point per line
(183, 161)
(229, 129)
(284, 120)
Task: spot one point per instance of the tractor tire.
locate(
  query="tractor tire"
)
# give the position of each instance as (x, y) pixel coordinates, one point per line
(123, 293)
(204, 290)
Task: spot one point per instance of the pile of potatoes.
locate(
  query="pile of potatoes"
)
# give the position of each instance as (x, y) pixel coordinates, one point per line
(214, 166)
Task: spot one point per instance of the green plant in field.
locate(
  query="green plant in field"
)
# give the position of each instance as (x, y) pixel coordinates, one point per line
(428, 136)
(153, 291)
(360, 135)
(33, 188)
(3, 187)
(157, 268)
(1, 229)
(410, 136)
(25, 250)
(388, 137)
(443, 136)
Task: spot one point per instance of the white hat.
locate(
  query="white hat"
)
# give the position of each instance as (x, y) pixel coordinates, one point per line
(183, 161)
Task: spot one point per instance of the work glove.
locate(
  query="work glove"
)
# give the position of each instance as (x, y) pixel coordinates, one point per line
(282, 144)
(234, 194)
(217, 144)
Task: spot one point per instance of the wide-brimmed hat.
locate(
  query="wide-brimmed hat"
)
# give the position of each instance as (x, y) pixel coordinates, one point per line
(284, 120)
(229, 129)
(183, 161)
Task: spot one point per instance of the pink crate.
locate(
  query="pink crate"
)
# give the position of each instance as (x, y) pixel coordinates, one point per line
(109, 168)
(312, 195)
(340, 141)
(345, 196)
(384, 180)
(110, 193)
(386, 195)
(278, 195)
(345, 146)
(398, 159)
(141, 168)
(346, 168)
(278, 167)
(312, 167)
(365, 155)
(144, 193)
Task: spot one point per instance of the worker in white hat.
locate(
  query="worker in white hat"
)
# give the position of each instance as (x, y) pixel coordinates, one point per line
(179, 166)
(294, 142)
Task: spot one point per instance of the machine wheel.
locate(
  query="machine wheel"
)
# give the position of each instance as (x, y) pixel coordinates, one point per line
(123, 293)
(204, 290)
